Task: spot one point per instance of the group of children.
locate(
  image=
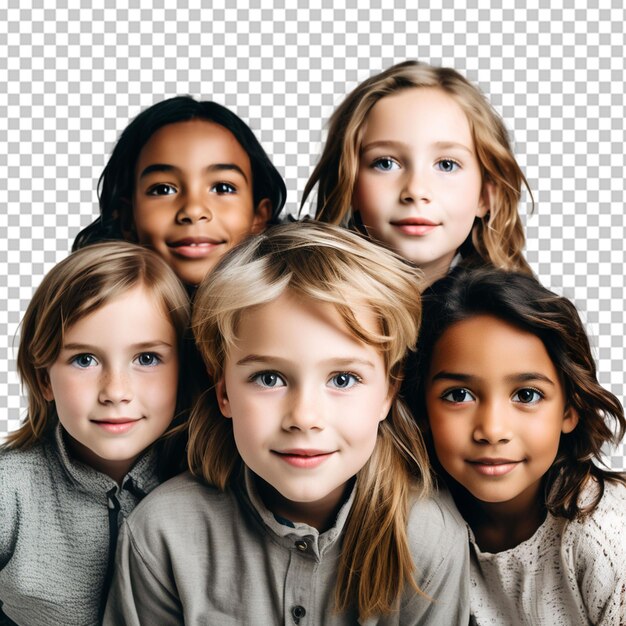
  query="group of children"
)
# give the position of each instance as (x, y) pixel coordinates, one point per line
(392, 421)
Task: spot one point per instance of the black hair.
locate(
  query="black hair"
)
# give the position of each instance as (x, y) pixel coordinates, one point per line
(116, 184)
(522, 301)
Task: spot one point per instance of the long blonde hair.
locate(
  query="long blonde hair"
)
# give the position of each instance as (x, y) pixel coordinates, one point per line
(325, 263)
(74, 288)
(499, 237)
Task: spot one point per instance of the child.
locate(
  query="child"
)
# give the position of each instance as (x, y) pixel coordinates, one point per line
(308, 501)
(188, 179)
(518, 421)
(417, 158)
(99, 355)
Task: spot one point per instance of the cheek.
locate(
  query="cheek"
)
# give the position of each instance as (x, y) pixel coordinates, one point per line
(365, 196)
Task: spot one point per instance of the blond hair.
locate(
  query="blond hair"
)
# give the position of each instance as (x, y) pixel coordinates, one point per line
(498, 238)
(328, 264)
(74, 288)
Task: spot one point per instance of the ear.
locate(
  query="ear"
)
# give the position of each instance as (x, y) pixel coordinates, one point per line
(127, 221)
(222, 398)
(486, 196)
(570, 420)
(46, 388)
(391, 396)
(262, 215)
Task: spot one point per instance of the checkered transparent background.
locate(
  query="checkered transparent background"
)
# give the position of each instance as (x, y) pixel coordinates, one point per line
(72, 77)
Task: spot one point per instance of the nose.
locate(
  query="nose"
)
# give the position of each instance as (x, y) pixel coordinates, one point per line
(194, 207)
(415, 188)
(493, 424)
(115, 387)
(304, 411)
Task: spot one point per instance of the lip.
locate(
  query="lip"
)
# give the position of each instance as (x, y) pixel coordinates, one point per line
(303, 458)
(116, 425)
(494, 466)
(193, 247)
(415, 226)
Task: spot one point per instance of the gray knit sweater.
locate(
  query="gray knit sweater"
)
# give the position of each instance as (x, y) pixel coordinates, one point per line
(58, 525)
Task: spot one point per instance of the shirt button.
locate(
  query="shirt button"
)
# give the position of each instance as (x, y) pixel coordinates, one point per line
(298, 612)
(302, 546)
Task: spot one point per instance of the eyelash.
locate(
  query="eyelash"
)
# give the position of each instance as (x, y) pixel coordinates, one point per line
(448, 392)
(536, 398)
(538, 393)
(376, 164)
(354, 379)
(93, 361)
(222, 188)
(455, 163)
(155, 360)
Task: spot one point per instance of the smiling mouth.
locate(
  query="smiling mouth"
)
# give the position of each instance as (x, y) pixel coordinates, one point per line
(116, 425)
(305, 459)
(193, 247)
(494, 467)
(415, 226)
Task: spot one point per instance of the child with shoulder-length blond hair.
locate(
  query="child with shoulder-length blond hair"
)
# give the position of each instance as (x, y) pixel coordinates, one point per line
(308, 499)
(99, 355)
(417, 158)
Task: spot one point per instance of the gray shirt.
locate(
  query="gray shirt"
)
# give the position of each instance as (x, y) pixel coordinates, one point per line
(194, 555)
(58, 519)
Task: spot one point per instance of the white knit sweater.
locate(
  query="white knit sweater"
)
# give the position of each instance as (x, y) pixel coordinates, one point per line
(567, 573)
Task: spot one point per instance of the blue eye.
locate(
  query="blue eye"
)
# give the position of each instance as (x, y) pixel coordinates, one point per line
(527, 396)
(161, 189)
(344, 380)
(223, 188)
(269, 380)
(385, 164)
(148, 359)
(447, 165)
(84, 361)
(458, 396)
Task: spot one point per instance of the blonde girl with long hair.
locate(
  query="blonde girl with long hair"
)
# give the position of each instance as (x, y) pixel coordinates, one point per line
(99, 354)
(417, 158)
(309, 496)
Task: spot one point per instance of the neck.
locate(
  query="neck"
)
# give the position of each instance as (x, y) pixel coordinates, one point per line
(499, 526)
(320, 514)
(435, 270)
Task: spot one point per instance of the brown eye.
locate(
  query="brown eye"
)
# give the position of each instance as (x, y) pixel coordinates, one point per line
(527, 396)
(457, 396)
(161, 189)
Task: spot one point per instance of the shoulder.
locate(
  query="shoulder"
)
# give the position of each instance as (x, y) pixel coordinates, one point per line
(18, 466)
(437, 533)
(180, 502)
(600, 534)
(436, 519)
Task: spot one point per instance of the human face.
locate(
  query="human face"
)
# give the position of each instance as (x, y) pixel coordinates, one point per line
(419, 184)
(114, 382)
(306, 399)
(193, 197)
(496, 409)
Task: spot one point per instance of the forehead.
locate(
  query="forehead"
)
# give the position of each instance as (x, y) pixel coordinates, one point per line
(191, 145)
(275, 320)
(426, 113)
(492, 347)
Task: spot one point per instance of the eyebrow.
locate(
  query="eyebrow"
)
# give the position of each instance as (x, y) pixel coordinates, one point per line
(523, 377)
(215, 167)
(338, 362)
(144, 345)
(440, 145)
